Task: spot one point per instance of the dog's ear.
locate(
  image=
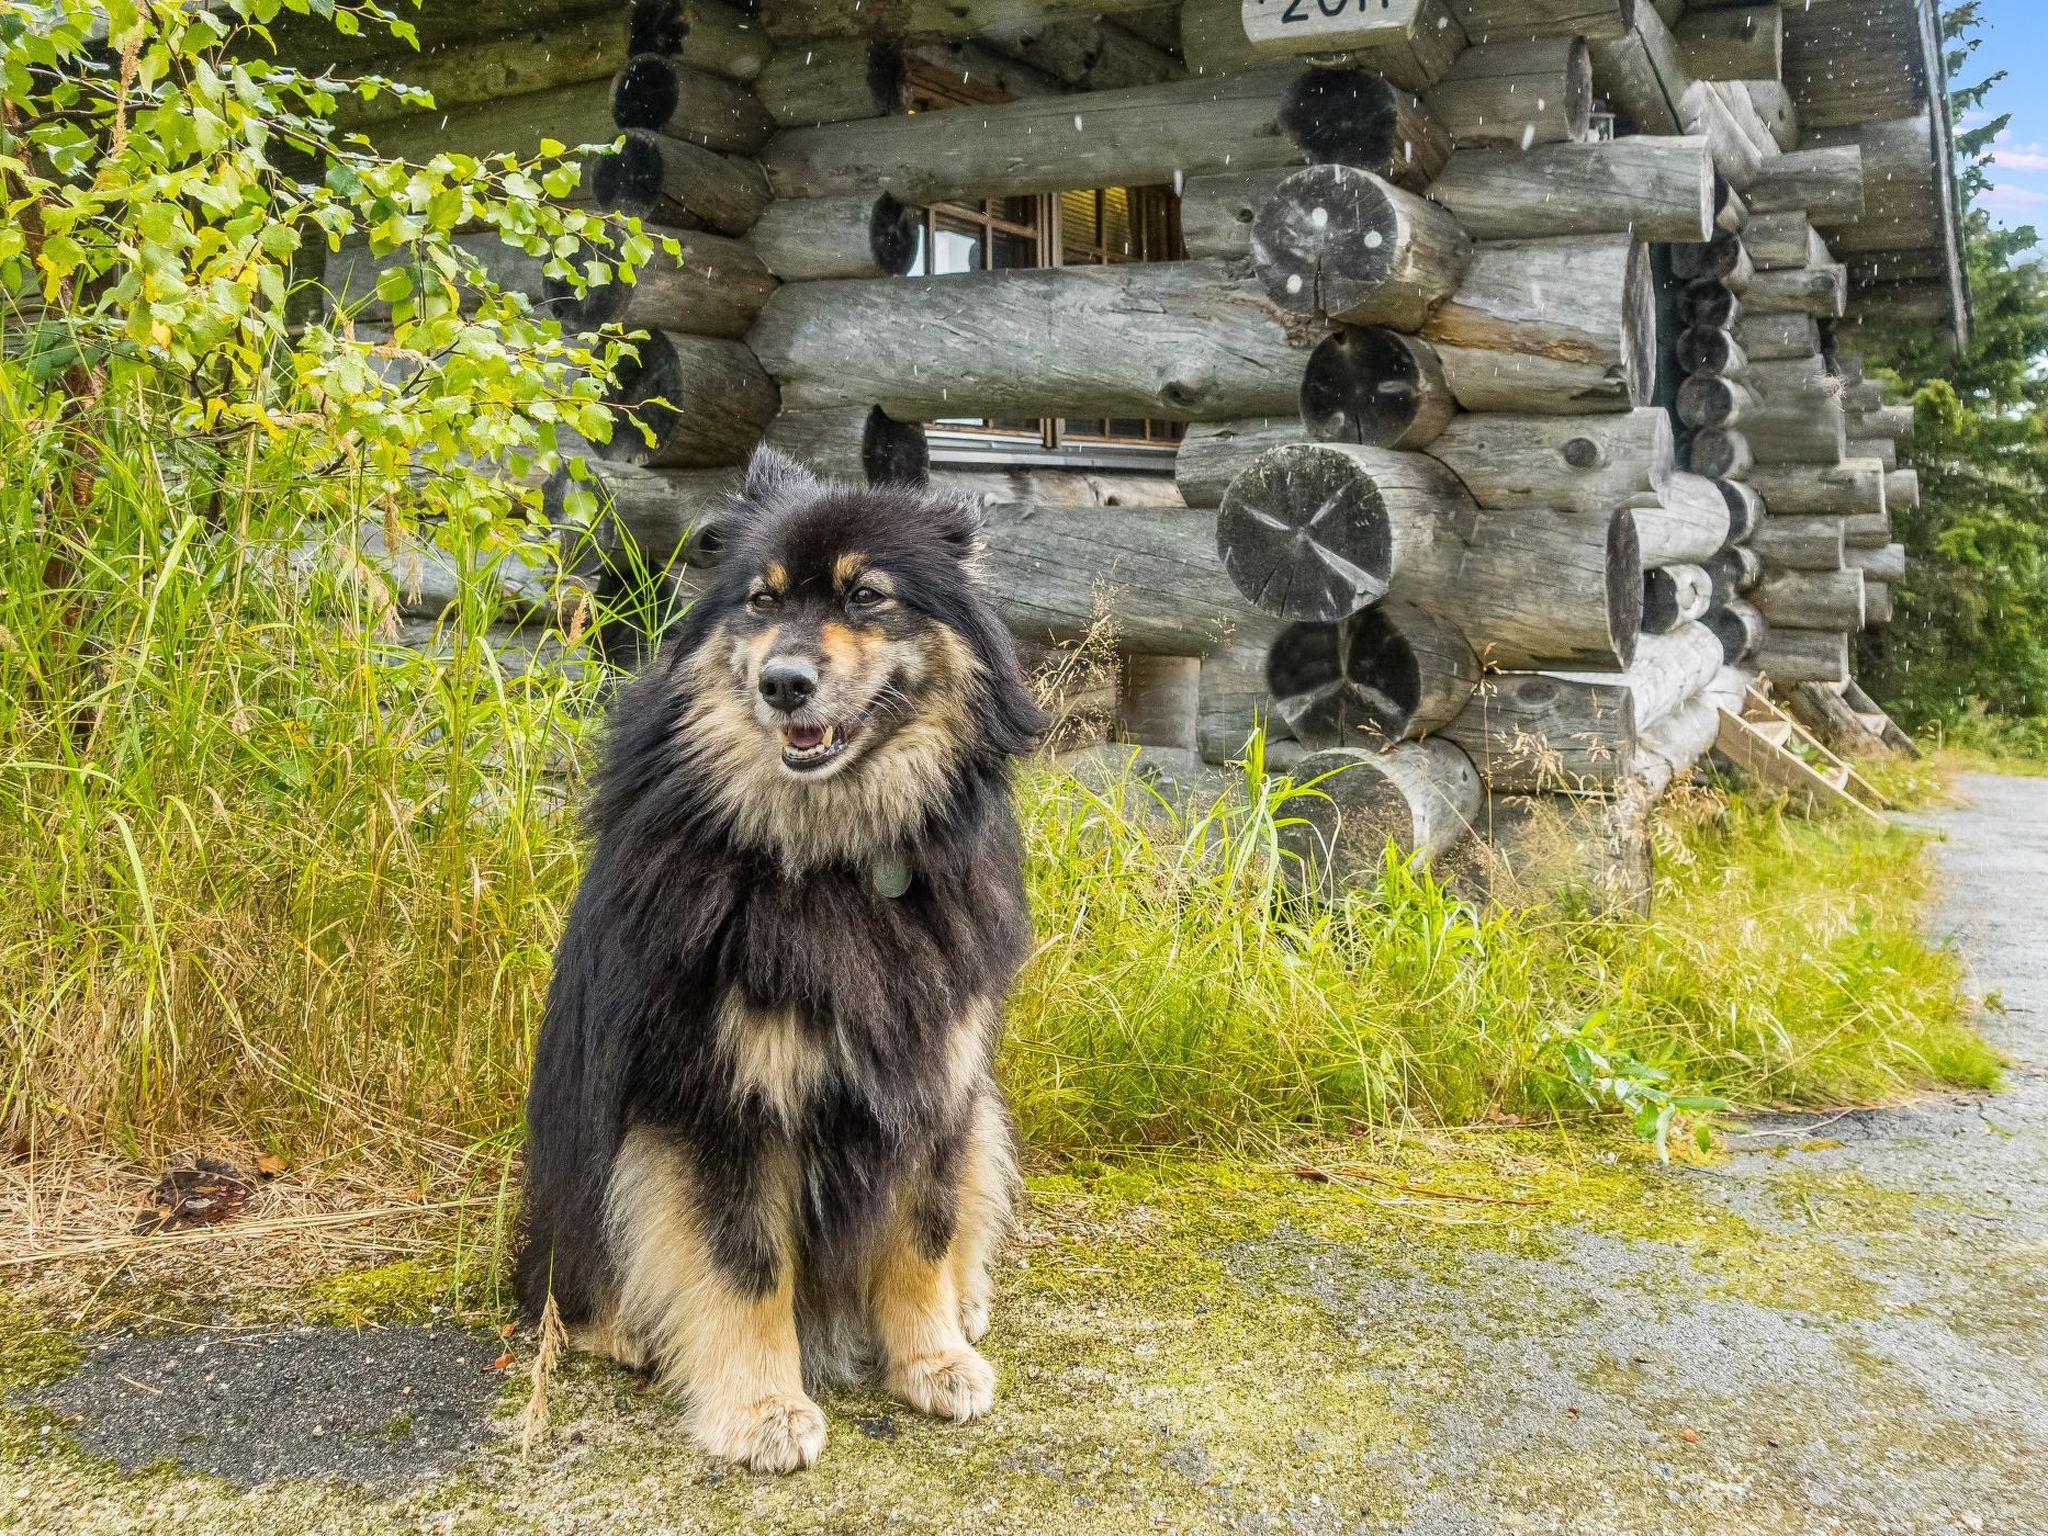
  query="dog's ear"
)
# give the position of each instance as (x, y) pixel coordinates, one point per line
(961, 526)
(774, 482)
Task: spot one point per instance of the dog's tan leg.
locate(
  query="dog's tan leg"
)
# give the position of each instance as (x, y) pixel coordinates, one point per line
(736, 1353)
(988, 1173)
(927, 1361)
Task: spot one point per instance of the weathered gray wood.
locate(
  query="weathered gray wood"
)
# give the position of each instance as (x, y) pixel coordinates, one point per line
(1091, 53)
(1724, 258)
(1562, 326)
(1777, 241)
(1902, 488)
(1886, 421)
(1821, 291)
(1769, 338)
(1516, 94)
(1709, 400)
(804, 239)
(1662, 188)
(964, 65)
(1702, 112)
(1314, 531)
(1375, 386)
(1745, 42)
(1148, 134)
(1745, 510)
(1796, 415)
(1642, 74)
(1189, 341)
(1684, 522)
(854, 443)
(705, 34)
(1710, 349)
(1423, 797)
(1796, 541)
(1719, 453)
(799, 21)
(515, 125)
(835, 80)
(1674, 595)
(1289, 29)
(1212, 454)
(1886, 564)
(1825, 184)
(1734, 571)
(1802, 655)
(1505, 19)
(1811, 599)
(717, 401)
(578, 49)
(1867, 530)
(1391, 672)
(1882, 449)
(1572, 463)
(715, 289)
(664, 96)
(1159, 701)
(1234, 699)
(1341, 243)
(683, 185)
(1217, 211)
(351, 274)
(1709, 301)
(670, 515)
(1739, 627)
(1877, 604)
(1211, 37)
(1855, 485)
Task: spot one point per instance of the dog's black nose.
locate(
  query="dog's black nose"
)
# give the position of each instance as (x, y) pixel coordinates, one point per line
(788, 682)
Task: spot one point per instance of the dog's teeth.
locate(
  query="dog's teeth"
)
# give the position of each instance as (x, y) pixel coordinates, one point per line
(826, 740)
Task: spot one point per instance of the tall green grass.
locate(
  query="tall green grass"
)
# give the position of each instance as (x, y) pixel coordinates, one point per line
(265, 873)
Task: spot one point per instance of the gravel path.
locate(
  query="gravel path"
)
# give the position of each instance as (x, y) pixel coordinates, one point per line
(1842, 1328)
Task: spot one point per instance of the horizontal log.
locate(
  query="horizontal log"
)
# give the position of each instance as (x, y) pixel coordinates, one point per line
(1707, 301)
(1802, 656)
(670, 516)
(1719, 453)
(1709, 400)
(1769, 338)
(703, 402)
(1710, 349)
(1796, 416)
(1821, 291)
(837, 80)
(1734, 571)
(1674, 595)
(1702, 112)
(1159, 702)
(800, 21)
(1885, 564)
(1855, 485)
(1877, 604)
(1516, 94)
(1745, 510)
(572, 50)
(1562, 326)
(1686, 520)
(716, 288)
(665, 96)
(1824, 184)
(1136, 137)
(1572, 463)
(1662, 188)
(1882, 449)
(857, 443)
(514, 125)
(1886, 421)
(1212, 454)
(1902, 489)
(705, 34)
(351, 274)
(964, 66)
(1580, 732)
(1185, 341)
(1780, 241)
(1090, 53)
(1811, 599)
(1212, 38)
(1314, 532)
(1739, 627)
(1867, 530)
(1234, 700)
(1801, 541)
(682, 185)
(804, 239)
(1391, 672)
(1509, 19)
(1422, 797)
(1217, 211)
(1340, 243)
(1377, 387)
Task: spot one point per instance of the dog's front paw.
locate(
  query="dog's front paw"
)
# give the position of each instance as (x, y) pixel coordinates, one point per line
(954, 1384)
(974, 1318)
(779, 1433)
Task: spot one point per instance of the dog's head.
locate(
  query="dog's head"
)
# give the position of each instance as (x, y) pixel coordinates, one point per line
(843, 662)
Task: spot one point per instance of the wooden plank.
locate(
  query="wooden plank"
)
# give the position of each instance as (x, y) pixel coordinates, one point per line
(1772, 765)
(1327, 26)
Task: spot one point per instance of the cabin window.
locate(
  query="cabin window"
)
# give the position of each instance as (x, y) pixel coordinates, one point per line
(1090, 227)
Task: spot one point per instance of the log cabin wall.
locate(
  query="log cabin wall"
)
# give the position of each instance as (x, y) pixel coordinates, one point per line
(1485, 421)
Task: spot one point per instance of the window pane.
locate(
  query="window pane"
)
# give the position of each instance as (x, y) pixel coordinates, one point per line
(953, 251)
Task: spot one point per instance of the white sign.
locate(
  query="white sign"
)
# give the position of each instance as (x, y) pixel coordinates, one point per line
(1328, 26)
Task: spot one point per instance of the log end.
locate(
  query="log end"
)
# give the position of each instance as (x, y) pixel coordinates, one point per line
(1342, 117)
(895, 235)
(894, 451)
(1357, 682)
(1378, 387)
(1304, 534)
(646, 92)
(1624, 572)
(1326, 241)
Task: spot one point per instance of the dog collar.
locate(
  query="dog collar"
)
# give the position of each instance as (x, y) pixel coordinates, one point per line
(891, 875)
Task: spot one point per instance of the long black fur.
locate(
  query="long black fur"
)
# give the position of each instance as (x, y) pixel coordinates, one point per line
(674, 913)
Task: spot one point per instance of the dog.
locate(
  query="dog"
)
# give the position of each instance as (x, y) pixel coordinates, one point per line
(765, 1146)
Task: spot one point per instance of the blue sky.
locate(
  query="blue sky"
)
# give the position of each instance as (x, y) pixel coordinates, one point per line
(2016, 41)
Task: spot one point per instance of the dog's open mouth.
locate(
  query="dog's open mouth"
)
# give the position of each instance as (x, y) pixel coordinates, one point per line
(806, 748)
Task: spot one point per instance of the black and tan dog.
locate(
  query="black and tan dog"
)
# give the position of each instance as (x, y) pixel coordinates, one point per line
(765, 1148)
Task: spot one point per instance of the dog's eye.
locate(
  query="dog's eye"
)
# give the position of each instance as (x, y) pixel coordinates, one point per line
(867, 597)
(764, 602)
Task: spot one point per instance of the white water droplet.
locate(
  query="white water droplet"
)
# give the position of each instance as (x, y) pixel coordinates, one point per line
(1374, 240)
(1319, 218)
(1294, 283)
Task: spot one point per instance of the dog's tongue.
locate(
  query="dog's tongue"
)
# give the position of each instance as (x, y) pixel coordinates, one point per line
(804, 737)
